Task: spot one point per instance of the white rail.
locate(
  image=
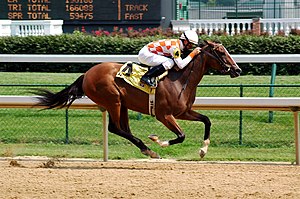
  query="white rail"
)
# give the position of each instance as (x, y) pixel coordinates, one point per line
(66, 58)
(249, 58)
(30, 27)
(284, 25)
(216, 103)
(238, 26)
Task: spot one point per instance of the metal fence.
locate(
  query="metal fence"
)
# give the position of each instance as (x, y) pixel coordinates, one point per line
(234, 9)
(230, 128)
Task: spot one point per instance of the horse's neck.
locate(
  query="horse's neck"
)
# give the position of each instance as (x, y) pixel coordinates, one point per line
(189, 78)
(194, 72)
(191, 75)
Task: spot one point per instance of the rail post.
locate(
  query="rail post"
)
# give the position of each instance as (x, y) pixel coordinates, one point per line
(67, 127)
(271, 93)
(241, 118)
(297, 133)
(105, 136)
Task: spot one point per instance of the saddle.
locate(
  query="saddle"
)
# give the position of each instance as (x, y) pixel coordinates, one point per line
(132, 72)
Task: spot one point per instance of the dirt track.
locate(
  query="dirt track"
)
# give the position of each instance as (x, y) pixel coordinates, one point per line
(146, 179)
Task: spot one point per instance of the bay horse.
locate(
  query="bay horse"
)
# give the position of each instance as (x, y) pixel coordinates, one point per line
(175, 95)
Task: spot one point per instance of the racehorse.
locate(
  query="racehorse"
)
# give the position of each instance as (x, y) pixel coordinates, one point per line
(175, 95)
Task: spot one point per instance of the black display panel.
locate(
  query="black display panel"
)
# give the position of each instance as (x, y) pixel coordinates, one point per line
(82, 10)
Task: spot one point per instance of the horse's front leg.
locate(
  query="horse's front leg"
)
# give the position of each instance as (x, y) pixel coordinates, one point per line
(170, 122)
(195, 116)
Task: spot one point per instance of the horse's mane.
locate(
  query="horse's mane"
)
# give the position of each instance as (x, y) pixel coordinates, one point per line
(175, 73)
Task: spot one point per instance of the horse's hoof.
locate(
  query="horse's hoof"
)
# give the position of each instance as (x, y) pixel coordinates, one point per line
(155, 156)
(202, 153)
(150, 153)
(153, 137)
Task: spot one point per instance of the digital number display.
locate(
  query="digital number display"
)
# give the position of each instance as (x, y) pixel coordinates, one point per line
(80, 9)
(101, 10)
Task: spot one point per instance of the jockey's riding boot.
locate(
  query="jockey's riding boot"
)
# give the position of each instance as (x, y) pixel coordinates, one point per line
(152, 72)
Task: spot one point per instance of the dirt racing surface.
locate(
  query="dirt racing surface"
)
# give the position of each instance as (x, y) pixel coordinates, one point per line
(146, 179)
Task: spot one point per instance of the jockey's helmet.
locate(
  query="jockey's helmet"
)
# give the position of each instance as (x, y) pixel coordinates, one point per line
(191, 36)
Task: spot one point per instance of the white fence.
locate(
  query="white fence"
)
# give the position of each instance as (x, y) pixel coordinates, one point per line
(237, 26)
(30, 27)
(217, 103)
(229, 26)
(5, 29)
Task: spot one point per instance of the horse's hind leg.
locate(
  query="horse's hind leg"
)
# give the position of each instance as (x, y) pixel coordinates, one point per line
(118, 124)
(124, 120)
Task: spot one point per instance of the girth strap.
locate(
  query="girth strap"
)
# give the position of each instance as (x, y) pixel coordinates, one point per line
(152, 103)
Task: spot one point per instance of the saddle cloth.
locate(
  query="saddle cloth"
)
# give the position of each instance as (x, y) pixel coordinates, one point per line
(132, 73)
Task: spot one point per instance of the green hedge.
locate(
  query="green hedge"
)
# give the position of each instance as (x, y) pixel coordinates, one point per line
(88, 44)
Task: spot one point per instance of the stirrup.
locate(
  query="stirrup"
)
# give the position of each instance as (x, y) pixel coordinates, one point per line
(147, 80)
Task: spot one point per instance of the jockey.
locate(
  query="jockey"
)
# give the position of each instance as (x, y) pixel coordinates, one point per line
(162, 55)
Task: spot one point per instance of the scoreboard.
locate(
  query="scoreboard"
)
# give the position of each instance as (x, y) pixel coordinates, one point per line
(81, 10)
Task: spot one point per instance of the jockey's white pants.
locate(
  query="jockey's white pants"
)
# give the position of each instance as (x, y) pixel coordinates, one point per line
(151, 59)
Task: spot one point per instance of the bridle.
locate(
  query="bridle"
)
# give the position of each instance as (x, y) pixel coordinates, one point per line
(216, 56)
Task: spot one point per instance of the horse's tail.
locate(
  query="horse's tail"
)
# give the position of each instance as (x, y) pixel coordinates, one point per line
(63, 98)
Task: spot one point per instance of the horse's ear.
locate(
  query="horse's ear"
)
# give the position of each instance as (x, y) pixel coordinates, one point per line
(209, 42)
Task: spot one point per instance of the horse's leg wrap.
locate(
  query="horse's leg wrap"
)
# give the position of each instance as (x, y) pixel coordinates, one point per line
(154, 138)
(204, 149)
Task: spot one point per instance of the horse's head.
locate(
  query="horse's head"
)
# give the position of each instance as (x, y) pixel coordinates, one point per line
(220, 59)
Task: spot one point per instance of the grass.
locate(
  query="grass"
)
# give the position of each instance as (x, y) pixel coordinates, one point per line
(42, 133)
